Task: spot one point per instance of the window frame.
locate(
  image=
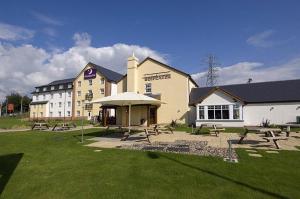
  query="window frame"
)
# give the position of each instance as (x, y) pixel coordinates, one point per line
(147, 87)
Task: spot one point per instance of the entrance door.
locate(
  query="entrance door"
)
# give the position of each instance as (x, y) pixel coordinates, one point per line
(153, 115)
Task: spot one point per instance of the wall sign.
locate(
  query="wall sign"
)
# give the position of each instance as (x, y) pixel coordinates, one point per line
(157, 76)
(90, 73)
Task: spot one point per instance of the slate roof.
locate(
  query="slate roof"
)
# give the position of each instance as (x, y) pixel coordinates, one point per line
(64, 82)
(108, 74)
(263, 92)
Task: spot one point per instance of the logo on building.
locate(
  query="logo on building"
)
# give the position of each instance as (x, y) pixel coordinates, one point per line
(157, 76)
(90, 73)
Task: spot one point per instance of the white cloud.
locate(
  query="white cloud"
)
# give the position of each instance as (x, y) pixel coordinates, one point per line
(24, 67)
(241, 72)
(13, 33)
(46, 19)
(82, 39)
(262, 39)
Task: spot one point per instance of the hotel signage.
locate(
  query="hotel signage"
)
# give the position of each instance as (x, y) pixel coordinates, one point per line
(90, 73)
(157, 76)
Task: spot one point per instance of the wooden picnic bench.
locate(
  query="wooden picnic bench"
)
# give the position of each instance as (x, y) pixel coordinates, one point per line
(40, 126)
(160, 128)
(274, 138)
(63, 126)
(213, 128)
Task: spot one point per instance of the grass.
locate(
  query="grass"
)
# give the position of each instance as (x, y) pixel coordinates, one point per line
(56, 165)
(19, 122)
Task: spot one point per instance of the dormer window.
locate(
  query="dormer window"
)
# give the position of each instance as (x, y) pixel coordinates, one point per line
(52, 87)
(102, 80)
(37, 90)
(45, 88)
(69, 85)
(61, 86)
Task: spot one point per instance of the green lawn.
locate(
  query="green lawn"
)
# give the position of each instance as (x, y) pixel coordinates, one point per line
(56, 165)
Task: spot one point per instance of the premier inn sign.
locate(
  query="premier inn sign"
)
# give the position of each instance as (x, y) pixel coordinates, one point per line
(157, 76)
(90, 73)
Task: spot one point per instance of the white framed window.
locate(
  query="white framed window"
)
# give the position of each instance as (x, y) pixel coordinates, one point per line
(78, 93)
(78, 103)
(101, 90)
(69, 94)
(79, 83)
(37, 97)
(37, 90)
(51, 95)
(45, 88)
(78, 113)
(218, 112)
(69, 104)
(90, 82)
(59, 104)
(51, 105)
(52, 88)
(69, 85)
(44, 96)
(148, 88)
(60, 95)
(236, 112)
(68, 113)
(201, 113)
(102, 81)
(61, 86)
(59, 113)
(41, 114)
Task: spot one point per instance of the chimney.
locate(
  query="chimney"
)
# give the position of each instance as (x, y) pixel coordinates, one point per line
(132, 73)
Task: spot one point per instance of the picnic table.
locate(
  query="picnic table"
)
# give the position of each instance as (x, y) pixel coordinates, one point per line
(288, 127)
(213, 128)
(271, 134)
(40, 126)
(63, 126)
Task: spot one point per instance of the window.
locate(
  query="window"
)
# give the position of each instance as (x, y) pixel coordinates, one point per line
(218, 112)
(69, 94)
(41, 114)
(45, 88)
(37, 90)
(44, 96)
(51, 114)
(61, 86)
(68, 113)
(52, 87)
(33, 114)
(201, 112)
(59, 113)
(37, 97)
(102, 91)
(90, 82)
(69, 85)
(236, 111)
(51, 95)
(78, 93)
(51, 105)
(148, 88)
(79, 83)
(102, 80)
(78, 103)
(69, 104)
(78, 113)
(60, 95)
(90, 92)
(59, 104)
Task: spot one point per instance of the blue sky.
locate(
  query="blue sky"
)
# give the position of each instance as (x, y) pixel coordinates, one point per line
(260, 32)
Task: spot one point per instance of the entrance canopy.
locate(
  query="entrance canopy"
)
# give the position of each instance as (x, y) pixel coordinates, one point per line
(126, 99)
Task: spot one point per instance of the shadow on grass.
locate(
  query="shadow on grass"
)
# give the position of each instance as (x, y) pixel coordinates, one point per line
(8, 163)
(154, 155)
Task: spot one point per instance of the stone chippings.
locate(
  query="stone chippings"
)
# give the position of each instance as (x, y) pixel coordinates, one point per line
(185, 147)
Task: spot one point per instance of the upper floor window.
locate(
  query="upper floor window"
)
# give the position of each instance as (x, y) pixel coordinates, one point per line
(90, 82)
(51, 105)
(69, 85)
(148, 88)
(44, 96)
(69, 104)
(37, 97)
(78, 103)
(69, 94)
(59, 104)
(37, 90)
(45, 88)
(102, 91)
(61, 86)
(78, 93)
(51, 95)
(52, 87)
(102, 80)
(79, 83)
(60, 95)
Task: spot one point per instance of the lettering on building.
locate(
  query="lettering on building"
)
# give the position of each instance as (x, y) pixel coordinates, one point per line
(157, 76)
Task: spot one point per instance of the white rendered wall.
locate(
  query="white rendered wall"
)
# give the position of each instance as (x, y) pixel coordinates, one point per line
(277, 113)
(55, 100)
(114, 89)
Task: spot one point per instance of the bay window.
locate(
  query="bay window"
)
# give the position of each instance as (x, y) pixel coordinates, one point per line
(201, 112)
(219, 112)
(236, 111)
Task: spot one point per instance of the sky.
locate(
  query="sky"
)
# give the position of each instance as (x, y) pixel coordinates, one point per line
(42, 41)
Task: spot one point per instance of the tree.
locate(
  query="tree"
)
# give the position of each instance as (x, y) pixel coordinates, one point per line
(16, 99)
(212, 76)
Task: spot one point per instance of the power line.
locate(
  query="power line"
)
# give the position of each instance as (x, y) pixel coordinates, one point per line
(212, 76)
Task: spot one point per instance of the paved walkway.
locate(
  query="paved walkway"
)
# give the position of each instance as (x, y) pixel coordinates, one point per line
(251, 141)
